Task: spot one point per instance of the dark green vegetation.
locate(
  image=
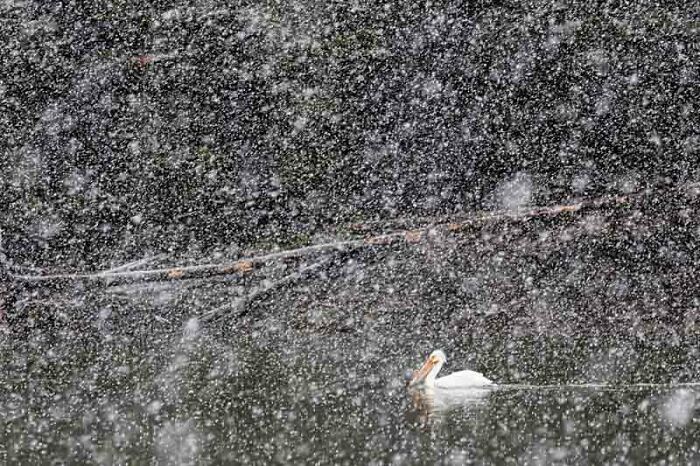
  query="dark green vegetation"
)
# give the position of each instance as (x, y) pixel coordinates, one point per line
(134, 127)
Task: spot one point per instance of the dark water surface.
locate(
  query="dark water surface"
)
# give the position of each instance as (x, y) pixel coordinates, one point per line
(196, 398)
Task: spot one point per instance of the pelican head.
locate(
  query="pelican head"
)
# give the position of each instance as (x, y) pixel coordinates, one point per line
(427, 374)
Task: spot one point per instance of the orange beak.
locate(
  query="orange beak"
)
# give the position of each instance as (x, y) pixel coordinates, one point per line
(422, 373)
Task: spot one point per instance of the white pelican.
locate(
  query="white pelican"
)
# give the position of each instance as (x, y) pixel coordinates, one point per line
(426, 376)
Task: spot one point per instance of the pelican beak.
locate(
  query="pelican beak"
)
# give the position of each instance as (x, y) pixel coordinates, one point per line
(420, 375)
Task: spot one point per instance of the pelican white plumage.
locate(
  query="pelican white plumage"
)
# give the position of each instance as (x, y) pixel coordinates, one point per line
(426, 376)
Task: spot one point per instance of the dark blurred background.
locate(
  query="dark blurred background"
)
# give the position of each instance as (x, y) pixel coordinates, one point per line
(132, 128)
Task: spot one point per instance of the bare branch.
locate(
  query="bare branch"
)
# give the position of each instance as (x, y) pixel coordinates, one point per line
(134, 264)
(413, 231)
(238, 306)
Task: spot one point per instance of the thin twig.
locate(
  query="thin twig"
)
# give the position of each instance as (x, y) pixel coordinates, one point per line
(133, 265)
(238, 306)
(240, 265)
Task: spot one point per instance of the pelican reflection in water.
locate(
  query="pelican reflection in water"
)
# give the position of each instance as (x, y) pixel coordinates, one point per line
(434, 394)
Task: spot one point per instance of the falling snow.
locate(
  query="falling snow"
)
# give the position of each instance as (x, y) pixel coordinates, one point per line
(230, 232)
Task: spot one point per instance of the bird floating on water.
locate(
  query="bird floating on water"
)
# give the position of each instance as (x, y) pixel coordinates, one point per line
(426, 376)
